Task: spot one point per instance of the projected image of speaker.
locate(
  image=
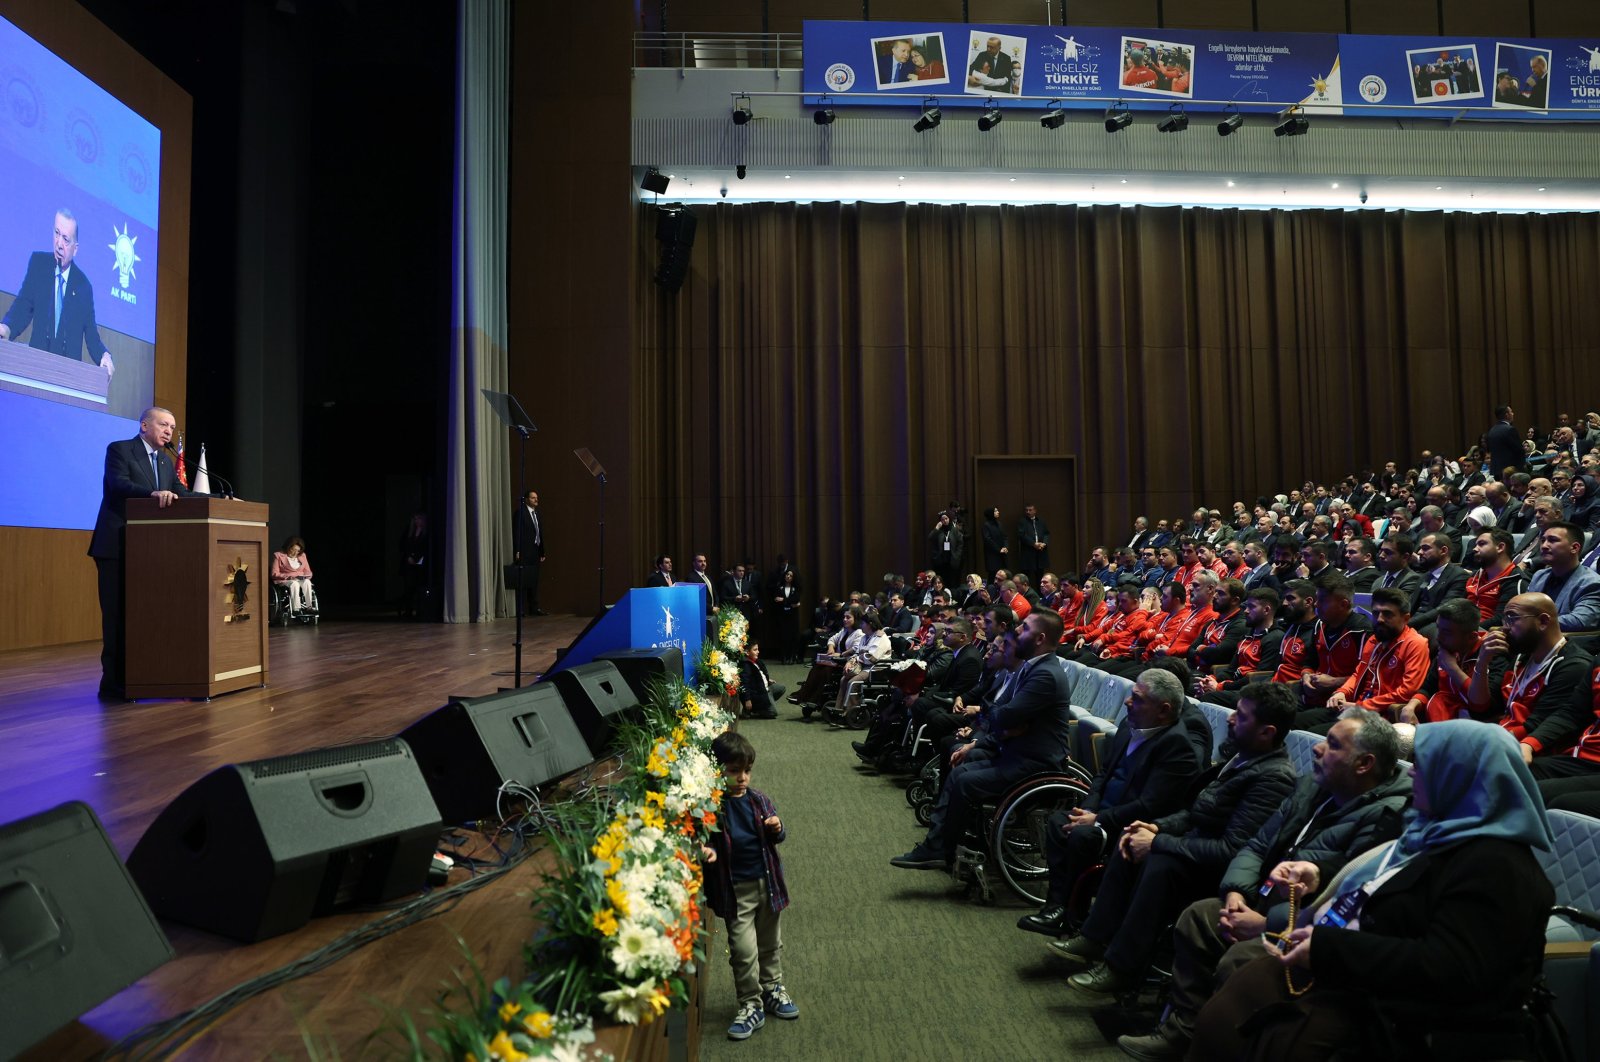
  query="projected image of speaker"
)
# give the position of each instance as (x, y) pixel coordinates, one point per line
(642, 667)
(598, 698)
(253, 850)
(472, 746)
(74, 930)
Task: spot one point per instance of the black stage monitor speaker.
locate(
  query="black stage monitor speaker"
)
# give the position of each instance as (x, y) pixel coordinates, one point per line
(74, 930)
(471, 746)
(640, 666)
(597, 697)
(256, 849)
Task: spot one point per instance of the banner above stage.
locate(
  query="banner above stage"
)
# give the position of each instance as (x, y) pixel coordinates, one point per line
(1087, 67)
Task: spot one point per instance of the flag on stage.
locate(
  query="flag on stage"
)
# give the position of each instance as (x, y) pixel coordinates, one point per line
(183, 474)
(202, 482)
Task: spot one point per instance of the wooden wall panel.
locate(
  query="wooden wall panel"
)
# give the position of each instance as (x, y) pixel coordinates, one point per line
(786, 16)
(1213, 14)
(922, 10)
(47, 584)
(1110, 13)
(1298, 17)
(1487, 18)
(1394, 16)
(1010, 12)
(1567, 18)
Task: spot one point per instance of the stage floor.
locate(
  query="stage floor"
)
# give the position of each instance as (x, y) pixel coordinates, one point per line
(334, 684)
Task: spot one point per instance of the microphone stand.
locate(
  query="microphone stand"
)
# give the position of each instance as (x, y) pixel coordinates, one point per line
(513, 416)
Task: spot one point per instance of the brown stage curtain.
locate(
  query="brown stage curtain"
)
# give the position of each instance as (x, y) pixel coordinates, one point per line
(822, 381)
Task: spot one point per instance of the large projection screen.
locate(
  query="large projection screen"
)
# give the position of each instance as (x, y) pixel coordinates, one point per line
(90, 129)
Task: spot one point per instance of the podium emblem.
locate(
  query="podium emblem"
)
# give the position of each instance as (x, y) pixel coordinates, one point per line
(238, 586)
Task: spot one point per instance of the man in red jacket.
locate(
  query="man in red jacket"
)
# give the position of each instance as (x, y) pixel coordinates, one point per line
(1392, 667)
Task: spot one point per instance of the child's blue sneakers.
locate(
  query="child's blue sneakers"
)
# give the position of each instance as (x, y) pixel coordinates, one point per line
(747, 1021)
(777, 1003)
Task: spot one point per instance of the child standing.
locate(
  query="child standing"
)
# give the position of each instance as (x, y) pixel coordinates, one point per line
(744, 885)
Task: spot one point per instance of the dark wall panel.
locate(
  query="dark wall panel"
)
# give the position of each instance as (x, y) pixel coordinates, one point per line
(1566, 18)
(1213, 14)
(1110, 13)
(1300, 17)
(1487, 18)
(1394, 16)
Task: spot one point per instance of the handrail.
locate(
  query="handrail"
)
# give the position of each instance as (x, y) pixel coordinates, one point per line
(712, 50)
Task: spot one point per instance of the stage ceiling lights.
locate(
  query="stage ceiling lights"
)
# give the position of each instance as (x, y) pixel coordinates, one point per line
(823, 115)
(1118, 117)
(1232, 121)
(930, 118)
(741, 110)
(654, 181)
(1054, 118)
(990, 118)
(1292, 125)
(1176, 121)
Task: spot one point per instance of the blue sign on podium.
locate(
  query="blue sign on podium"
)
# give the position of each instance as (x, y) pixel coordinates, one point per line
(645, 618)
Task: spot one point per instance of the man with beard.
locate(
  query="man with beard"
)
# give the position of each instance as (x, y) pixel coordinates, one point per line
(1257, 650)
(1444, 693)
(1497, 580)
(1392, 667)
(1544, 697)
(1353, 801)
(1394, 561)
(1337, 649)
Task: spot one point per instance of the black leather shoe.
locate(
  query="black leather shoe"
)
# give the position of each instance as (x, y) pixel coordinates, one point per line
(1051, 921)
(865, 751)
(1103, 979)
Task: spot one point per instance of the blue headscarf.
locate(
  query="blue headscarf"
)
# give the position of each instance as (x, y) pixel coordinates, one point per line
(1475, 785)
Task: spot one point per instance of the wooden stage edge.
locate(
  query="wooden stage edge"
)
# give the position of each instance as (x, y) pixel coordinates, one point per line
(334, 684)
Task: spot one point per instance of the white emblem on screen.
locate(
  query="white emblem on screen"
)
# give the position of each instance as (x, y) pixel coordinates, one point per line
(840, 77)
(122, 248)
(1373, 89)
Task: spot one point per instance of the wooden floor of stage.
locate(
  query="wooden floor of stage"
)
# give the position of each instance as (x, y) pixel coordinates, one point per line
(334, 684)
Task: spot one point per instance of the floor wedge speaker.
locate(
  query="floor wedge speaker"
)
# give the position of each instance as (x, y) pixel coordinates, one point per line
(74, 930)
(253, 850)
(469, 748)
(598, 699)
(640, 666)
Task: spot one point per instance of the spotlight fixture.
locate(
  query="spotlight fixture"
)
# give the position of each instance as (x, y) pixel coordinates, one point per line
(741, 110)
(930, 115)
(990, 118)
(654, 181)
(1054, 118)
(1176, 121)
(1118, 118)
(1293, 125)
(739, 171)
(824, 113)
(1232, 121)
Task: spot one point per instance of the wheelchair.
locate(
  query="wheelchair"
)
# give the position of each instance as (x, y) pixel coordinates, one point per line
(1011, 833)
(279, 613)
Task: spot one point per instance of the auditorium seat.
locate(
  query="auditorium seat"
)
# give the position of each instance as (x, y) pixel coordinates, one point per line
(1217, 717)
(1301, 744)
(1572, 950)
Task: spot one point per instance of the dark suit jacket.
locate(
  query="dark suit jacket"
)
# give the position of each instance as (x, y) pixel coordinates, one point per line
(1452, 582)
(522, 535)
(1361, 581)
(127, 476)
(36, 303)
(732, 588)
(1408, 581)
(1505, 448)
(1035, 718)
(657, 578)
(1159, 779)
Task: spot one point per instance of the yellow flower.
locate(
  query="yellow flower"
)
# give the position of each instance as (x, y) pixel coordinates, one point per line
(658, 799)
(652, 818)
(617, 896)
(503, 1049)
(605, 920)
(656, 765)
(540, 1026)
(679, 736)
(660, 1000)
(509, 1011)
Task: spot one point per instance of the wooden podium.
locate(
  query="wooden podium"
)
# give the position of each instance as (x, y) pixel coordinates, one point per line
(196, 595)
(71, 381)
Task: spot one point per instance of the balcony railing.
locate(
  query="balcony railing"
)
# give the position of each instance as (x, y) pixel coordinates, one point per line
(717, 51)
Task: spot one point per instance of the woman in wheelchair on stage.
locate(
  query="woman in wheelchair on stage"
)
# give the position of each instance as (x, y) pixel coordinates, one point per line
(291, 569)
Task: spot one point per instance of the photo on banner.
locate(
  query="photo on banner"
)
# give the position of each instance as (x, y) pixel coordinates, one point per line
(995, 68)
(1450, 72)
(1159, 67)
(910, 59)
(1521, 77)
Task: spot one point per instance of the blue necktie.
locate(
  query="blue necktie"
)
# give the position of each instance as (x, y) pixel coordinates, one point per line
(61, 293)
(155, 470)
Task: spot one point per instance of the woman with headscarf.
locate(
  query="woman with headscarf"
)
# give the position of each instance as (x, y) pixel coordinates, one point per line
(1583, 505)
(1422, 948)
(995, 553)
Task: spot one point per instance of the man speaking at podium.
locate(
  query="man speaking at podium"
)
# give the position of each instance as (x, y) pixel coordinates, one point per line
(59, 301)
(135, 468)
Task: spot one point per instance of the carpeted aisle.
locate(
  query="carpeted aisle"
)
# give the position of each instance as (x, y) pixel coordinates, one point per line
(886, 963)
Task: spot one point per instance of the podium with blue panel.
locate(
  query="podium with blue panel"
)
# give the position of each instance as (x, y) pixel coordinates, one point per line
(643, 618)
